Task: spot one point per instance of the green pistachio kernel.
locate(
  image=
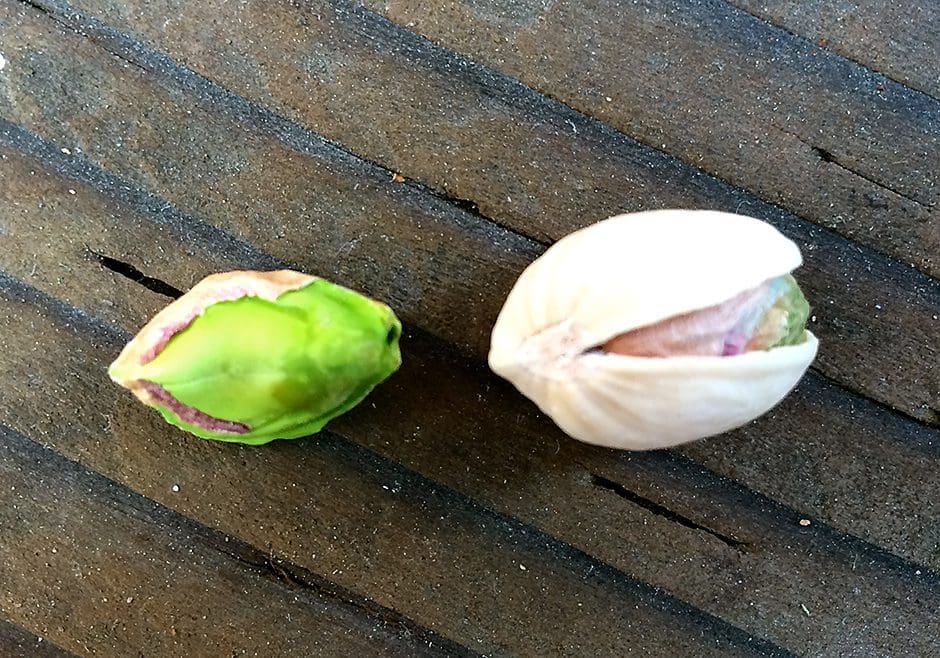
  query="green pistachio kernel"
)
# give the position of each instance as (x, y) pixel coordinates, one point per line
(250, 357)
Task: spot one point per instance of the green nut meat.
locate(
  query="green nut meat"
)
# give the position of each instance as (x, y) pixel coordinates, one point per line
(250, 357)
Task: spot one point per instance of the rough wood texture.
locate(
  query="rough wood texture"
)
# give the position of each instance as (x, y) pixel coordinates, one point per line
(900, 40)
(830, 140)
(496, 456)
(18, 643)
(103, 571)
(477, 118)
(327, 508)
(443, 516)
(309, 238)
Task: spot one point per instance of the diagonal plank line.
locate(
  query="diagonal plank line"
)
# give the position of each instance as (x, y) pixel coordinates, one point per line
(246, 254)
(15, 289)
(410, 483)
(836, 55)
(311, 144)
(439, 205)
(922, 440)
(189, 229)
(694, 472)
(42, 647)
(250, 557)
(427, 199)
(427, 51)
(153, 207)
(459, 211)
(418, 48)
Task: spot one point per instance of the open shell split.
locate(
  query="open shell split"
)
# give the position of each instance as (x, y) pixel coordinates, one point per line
(630, 272)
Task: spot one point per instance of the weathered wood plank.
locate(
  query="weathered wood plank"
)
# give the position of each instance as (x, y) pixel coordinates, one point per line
(726, 93)
(900, 40)
(860, 295)
(729, 592)
(103, 571)
(15, 642)
(309, 242)
(516, 462)
(830, 451)
(334, 510)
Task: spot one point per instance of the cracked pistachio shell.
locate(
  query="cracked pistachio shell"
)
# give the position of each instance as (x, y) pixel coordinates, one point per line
(249, 357)
(633, 271)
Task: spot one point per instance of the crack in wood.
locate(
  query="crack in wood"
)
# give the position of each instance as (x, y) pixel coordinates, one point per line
(289, 574)
(830, 158)
(824, 155)
(36, 4)
(505, 524)
(130, 272)
(266, 121)
(132, 51)
(664, 512)
(158, 210)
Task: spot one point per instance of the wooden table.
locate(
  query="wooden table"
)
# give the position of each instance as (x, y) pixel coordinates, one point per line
(424, 153)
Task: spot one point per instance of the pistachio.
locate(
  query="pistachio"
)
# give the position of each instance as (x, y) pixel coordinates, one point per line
(250, 357)
(654, 329)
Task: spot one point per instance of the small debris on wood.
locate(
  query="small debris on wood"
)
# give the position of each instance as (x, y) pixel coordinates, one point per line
(804, 522)
(398, 178)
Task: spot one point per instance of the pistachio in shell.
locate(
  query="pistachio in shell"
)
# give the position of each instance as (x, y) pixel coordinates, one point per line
(653, 329)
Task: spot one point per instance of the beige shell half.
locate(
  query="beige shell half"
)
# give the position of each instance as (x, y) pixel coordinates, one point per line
(627, 272)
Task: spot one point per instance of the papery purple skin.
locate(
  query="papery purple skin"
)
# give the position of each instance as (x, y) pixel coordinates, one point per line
(734, 344)
(191, 415)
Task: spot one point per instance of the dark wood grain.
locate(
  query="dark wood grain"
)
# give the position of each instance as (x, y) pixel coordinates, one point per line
(445, 515)
(103, 571)
(503, 454)
(900, 40)
(845, 153)
(302, 195)
(15, 642)
(848, 285)
(729, 94)
(859, 295)
(337, 511)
